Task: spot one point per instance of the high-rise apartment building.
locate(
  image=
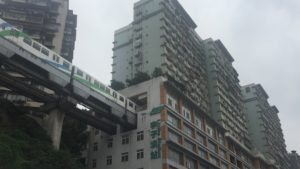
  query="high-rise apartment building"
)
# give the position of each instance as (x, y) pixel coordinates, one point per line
(192, 117)
(172, 133)
(48, 21)
(224, 91)
(294, 159)
(264, 125)
(162, 35)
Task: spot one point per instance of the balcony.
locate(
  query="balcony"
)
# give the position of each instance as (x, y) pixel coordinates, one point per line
(52, 27)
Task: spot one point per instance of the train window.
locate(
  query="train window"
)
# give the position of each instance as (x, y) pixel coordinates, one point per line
(107, 90)
(88, 78)
(66, 64)
(130, 104)
(79, 72)
(36, 46)
(121, 98)
(96, 83)
(114, 94)
(102, 86)
(27, 41)
(45, 51)
(55, 58)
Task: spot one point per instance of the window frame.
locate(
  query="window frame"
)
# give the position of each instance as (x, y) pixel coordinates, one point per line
(125, 157)
(36, 46)
(45, 51)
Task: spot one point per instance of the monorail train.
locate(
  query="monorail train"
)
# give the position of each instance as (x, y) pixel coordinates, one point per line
(24, 41)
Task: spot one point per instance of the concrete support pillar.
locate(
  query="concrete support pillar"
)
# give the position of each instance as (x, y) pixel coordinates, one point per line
(53, 124)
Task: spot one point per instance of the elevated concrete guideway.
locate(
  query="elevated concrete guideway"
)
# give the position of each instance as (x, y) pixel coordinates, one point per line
(22, 73)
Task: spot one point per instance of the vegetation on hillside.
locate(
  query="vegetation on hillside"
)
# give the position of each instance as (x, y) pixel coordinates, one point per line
(25, 145)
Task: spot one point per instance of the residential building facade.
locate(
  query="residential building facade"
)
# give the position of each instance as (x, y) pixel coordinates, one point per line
(225, 93)
(48, 21)
(264, 125)
(162, 35)
(172, 133)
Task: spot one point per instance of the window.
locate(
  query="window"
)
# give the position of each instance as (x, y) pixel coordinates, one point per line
(198, 122)
(221, 139)
(172, 102)
(214, 160)
(124, 157)
(210, 131)
(247, 89)
(45, 51)
(114, 94)
(121, 98)
(125, 139)
(94, 163)
(102, 86)
(202, 153)
(107, 90)
(189, 145)
(200, 138)
(109, 143)
(27, 41)
(222, 153)
(79, 72)
(174, 156)
(173, 120)
(140, 154)
(55, 58)
(188, 130)
(212, 147)
(223, 166)
(190, 163)
(174, 137)
(36, 46)
(108, 160)
(140, 136)
(187, 114)
(66, 64)
(95, 146)
(96, 83)
(88, 78)
(203, 166)
(130, 104)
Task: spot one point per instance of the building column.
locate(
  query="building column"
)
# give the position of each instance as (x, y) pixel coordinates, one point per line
(53, 124)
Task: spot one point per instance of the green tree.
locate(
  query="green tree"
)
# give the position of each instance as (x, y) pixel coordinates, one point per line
(117, 85)
(25, 145)
(74, 136)
(157, 72)
(139, 78)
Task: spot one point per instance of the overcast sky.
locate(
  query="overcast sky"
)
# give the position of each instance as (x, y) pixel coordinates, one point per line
(262, 36)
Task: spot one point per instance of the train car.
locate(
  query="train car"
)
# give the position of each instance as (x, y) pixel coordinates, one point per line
(99, 87)
(20, 38)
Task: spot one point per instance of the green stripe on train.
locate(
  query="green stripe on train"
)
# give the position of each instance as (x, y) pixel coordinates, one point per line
(91, 85)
